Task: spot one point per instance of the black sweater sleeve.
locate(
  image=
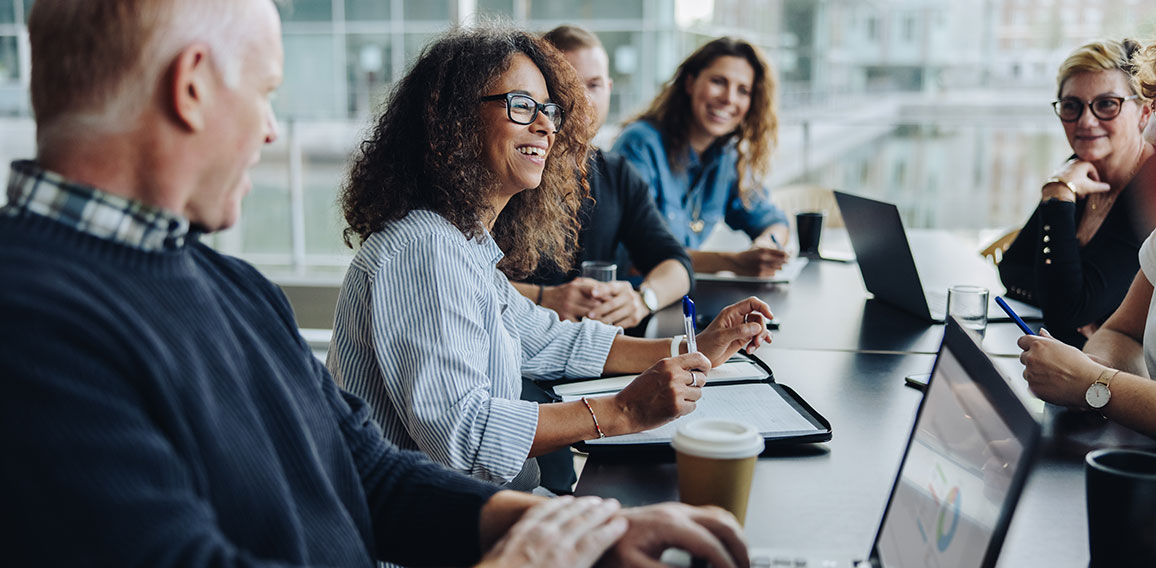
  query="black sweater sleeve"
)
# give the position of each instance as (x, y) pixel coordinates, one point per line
(1072, 285)
(642, 229)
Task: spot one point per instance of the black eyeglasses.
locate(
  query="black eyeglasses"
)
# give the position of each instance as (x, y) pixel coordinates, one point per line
(1070, 109)
(523, 109)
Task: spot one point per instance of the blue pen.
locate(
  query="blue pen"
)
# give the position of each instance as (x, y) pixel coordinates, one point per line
(688, 323)
(1015, 317)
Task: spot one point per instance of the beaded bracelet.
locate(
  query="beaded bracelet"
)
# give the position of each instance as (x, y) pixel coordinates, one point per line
(597, 428)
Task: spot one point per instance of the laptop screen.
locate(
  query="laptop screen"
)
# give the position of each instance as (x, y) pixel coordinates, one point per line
(956, 478)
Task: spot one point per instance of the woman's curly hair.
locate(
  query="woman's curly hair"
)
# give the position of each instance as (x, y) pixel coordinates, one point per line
(756, 136)
(1144, 78)
(1101, 55)
(425, 151)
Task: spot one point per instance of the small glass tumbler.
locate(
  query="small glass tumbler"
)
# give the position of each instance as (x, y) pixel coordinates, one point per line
(600, 270)
(968, 305)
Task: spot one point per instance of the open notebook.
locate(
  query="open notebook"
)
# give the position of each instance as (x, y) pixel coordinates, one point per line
(741, 389)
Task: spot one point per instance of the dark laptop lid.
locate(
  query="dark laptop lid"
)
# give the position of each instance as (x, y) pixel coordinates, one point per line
(964, 467)
(883, 252)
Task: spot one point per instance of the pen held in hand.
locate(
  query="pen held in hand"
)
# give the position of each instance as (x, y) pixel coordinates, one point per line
(1014, 316)
(688, 324)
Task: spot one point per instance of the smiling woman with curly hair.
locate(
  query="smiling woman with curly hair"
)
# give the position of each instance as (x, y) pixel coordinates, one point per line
(704, 145)
(477, 162)
(425, 152)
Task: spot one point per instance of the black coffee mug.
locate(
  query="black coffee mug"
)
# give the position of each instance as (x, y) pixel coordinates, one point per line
(809, 225)
(1121, 489)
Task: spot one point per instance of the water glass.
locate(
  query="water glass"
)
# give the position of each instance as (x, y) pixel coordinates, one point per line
(968, 305)
(600, 270)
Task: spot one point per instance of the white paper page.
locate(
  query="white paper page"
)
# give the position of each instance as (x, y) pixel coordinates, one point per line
(756, 404)
(736, 371)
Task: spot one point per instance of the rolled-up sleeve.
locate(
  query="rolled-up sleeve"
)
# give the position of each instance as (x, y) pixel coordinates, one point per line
(755, 218)
(432, 345)
(554, 349)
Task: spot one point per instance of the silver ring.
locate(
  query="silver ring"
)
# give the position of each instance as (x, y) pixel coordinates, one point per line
(693, 379)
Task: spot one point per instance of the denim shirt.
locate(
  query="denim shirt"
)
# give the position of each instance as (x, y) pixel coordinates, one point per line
(710, 180)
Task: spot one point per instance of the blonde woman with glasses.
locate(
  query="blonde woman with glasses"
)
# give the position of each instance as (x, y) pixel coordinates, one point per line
(1077, 254)
(1112, 374)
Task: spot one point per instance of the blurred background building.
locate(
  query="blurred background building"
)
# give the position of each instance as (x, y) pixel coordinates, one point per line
(938, 105)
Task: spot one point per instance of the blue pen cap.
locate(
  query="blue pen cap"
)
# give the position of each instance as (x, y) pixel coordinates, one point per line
(687, 306)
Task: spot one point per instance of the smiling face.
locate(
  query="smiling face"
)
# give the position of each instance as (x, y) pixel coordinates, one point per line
(1097, 140)
(720, 96)
(516, 153)
(240, 124)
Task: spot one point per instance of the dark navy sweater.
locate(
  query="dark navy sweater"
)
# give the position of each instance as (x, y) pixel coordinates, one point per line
(160, 409)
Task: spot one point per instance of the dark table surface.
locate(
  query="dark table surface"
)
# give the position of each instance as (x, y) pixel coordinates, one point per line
(847, 357)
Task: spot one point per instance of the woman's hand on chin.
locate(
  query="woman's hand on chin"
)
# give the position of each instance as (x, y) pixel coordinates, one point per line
(1074, 180)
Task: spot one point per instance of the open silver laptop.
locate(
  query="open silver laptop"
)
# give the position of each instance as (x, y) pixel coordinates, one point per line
(969, 453)
(889, 269)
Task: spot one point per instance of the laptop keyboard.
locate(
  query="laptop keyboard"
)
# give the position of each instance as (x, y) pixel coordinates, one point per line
(783, 562)
(764, 558)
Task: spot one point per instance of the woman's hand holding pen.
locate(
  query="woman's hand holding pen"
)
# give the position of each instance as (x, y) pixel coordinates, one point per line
(731, 330)
(1056, 372)
(661, 393)
(758, 261)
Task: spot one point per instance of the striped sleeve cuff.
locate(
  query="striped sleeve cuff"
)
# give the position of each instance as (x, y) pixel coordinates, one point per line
(506, 439)
(591, 347)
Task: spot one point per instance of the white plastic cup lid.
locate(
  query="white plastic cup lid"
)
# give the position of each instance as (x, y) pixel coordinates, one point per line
(718, 439)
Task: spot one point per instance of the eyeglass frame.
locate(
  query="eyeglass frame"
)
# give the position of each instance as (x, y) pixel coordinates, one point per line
(509, 97)
(1088, 105)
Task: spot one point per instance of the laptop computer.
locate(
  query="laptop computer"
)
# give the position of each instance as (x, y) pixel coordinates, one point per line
(968, 455)
(889, 269)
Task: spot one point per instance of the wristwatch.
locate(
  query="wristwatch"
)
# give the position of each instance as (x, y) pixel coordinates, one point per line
(1098, 393)
(649, 298)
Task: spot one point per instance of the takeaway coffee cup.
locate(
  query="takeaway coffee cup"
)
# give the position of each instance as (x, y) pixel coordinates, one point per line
(809, 225)
(716, 461)
(1121, 489)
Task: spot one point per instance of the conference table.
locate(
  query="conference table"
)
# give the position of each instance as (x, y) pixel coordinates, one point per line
(847, 355)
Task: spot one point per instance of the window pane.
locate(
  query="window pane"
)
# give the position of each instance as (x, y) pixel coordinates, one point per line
(503, 7)
(7, 12)
(427, 10)
(414, 43)
(323, 174)
(306, 10)
(623, 49)
(9, 61)
(368, 70)
(264, 223)
(310, 78)
(585, 9)
(366, 10)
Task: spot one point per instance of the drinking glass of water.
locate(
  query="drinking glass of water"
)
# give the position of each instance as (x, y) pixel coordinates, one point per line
(600, 270)
(968, 305)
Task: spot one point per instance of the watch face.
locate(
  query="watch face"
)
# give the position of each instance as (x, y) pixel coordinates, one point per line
(1097, 395)
(649, 298)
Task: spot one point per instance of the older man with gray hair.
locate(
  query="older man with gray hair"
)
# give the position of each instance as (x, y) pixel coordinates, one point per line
(159, 407)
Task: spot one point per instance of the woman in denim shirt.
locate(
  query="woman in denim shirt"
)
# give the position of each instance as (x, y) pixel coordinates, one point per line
(703, 145)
